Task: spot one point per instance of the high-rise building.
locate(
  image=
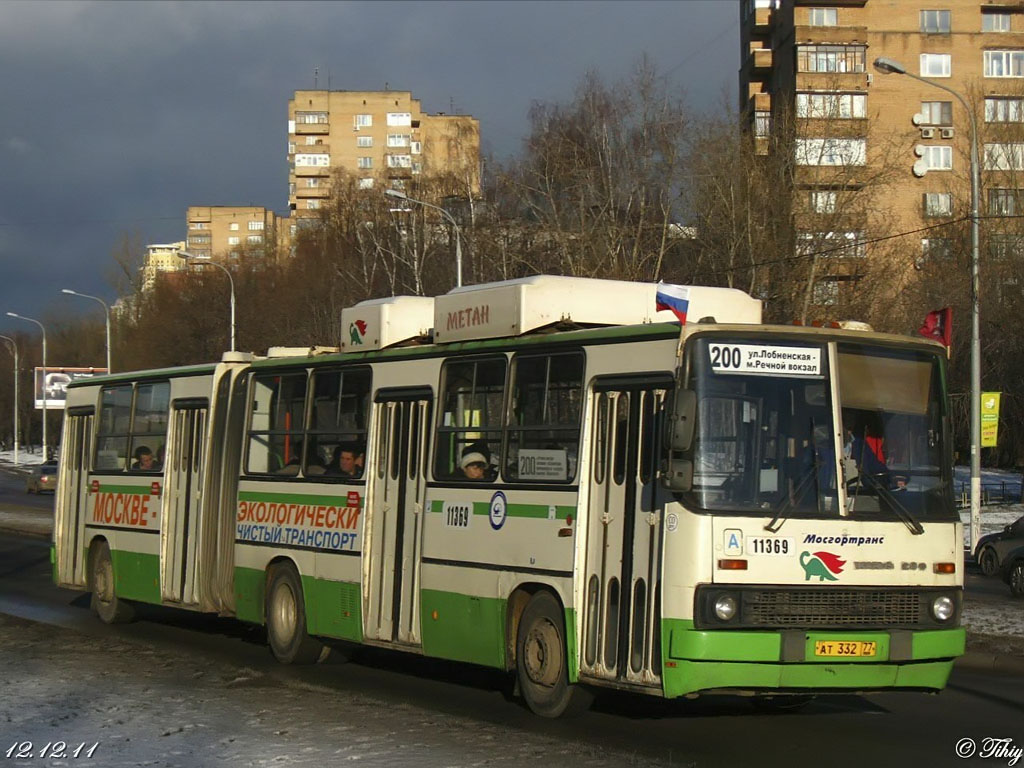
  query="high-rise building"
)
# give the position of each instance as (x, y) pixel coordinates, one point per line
(228, 231)
(900, 144)
(380, 137)
(161, 258)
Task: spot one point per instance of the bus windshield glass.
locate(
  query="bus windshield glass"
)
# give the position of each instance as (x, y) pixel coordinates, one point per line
(767, 441)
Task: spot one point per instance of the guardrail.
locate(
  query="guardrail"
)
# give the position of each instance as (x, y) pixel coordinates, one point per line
(992, 494)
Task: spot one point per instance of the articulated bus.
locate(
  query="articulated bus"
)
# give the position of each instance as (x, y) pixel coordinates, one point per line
(550, 477)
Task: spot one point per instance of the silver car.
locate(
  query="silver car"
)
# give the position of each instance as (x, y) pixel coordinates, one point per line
(42, 479)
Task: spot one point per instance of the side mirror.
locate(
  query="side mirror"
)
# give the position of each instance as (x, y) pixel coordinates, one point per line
(677, 475)
(680, 425)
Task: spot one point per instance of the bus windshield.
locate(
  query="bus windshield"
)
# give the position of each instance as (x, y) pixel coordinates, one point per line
(768, 440)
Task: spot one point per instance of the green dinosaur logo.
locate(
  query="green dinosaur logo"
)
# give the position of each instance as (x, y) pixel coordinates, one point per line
(356, 331)
(824, 565)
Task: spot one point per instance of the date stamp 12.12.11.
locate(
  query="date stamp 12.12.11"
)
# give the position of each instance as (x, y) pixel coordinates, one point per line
(54, 750)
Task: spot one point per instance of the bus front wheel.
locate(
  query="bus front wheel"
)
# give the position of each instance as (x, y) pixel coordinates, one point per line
(105, 603)
(541, 661)
(286, 620)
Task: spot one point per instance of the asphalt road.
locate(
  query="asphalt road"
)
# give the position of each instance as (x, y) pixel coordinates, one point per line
(906, 729)
(14, 498)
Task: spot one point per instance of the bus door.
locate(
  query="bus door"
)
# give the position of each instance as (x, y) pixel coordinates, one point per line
(391, 564)
(73, 487)
(182, 497)
(621, 636)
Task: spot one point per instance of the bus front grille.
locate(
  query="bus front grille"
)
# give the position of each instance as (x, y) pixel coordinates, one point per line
(832, 607)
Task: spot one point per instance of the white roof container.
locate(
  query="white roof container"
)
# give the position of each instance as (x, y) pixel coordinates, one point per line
(515, 307)
(380, 323)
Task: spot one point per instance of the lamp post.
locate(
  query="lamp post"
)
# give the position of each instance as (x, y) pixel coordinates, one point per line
(106, 317)
(889, 66)
(43, 329)
(399, 195)
(14, 351)
(189, 257)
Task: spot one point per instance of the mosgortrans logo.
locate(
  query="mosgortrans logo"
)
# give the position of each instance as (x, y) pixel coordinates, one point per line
(826, 566)
(357, 331)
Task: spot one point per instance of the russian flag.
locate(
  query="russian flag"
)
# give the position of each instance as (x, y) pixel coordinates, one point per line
(675, 298)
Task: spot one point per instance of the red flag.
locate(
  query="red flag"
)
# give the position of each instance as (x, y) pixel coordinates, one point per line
(938, 325)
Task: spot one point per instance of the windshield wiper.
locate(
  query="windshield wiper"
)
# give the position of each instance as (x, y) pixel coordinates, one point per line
(901, 511)
(797, 496)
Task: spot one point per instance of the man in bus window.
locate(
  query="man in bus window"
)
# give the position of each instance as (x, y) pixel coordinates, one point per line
(476, 463)
(143, 460)
(346, 461)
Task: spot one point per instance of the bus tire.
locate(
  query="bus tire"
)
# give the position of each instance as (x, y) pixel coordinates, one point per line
(541, 663)
(286, 619)
(988, 561)
(104, 602)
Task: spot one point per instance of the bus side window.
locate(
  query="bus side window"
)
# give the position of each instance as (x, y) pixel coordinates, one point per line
(337, 429)
(113, 428)
(275, 424)
(469, 429)
(149, 426)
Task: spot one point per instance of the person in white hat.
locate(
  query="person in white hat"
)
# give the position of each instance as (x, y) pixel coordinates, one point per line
(476, 462)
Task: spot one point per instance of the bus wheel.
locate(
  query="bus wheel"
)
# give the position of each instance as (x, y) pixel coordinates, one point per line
(541, 661)
(105, 603)
(286, 620)
(988, 561)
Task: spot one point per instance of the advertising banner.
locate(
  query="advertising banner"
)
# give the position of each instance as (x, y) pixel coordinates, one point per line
(989, 419)
(56, 381)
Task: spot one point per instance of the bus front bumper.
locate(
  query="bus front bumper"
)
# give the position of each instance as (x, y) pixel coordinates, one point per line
(777, 661)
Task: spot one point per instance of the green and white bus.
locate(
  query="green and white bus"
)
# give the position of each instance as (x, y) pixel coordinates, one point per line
(546, 476)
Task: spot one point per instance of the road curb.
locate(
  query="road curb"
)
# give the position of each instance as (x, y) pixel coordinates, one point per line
(999, 663)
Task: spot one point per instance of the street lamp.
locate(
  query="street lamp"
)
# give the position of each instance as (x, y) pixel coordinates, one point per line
(43, 329)
(14, 351)
(399, 195)
(204, 261)
(106, 317)
(888, 66)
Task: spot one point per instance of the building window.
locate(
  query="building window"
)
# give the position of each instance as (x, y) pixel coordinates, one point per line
(310, 117)
(234, 240)
(1004, 109)
(254, 239)
(399, 118)
(198, 225)
(826, 292)
(937, 112)
(312, 182)
(936, 64)
(417, 147)
(399, 139)
(831, 58)
(313, 141)
(364, 142)
(365, 163)
(1006, 247)
(399, 161)
(312, 161)
(291, 188)
(937, 158)
(831, 244)
(1004, 63)
(366, 183)
(233, 226)
(935, 22)
(823, 201)
(762, 123)
(1005, 202)
(196, 239)
(291, 147)
(312, 205)
(1004, 157)
(417, 168)
(255, 226)
(828, 106)
(938, 204)
(995, 22)
(822, 17)
(933, 248)
(234, 254)
(831, 151)
(362, 121)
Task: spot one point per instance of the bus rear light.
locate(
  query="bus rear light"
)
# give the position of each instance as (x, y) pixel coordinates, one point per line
(732, 565)
(944, 567)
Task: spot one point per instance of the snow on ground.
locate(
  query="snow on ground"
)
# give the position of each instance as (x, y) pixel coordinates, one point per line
(25, 458)
(1003, 618)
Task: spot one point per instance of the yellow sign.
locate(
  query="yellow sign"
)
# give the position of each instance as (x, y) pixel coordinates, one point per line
(989, 419)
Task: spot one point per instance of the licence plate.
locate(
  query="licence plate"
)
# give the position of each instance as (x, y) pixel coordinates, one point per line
(844, 648)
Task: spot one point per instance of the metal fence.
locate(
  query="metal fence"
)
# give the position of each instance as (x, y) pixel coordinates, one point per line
(992, 493)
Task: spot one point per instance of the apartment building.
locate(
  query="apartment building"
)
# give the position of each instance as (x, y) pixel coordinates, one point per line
(381, 137)
(161, 258)
(228, 231)
(900, 145)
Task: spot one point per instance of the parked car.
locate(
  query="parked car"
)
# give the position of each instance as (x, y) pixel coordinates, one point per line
(42, 478)
(993, 547)
(1013, 571)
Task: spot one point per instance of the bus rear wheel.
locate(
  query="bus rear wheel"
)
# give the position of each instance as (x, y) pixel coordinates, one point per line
(105, 603)
(286, 620)
(541, 661)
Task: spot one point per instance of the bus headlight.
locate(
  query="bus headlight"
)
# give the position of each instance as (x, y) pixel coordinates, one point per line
(725, 607)
(943, 608)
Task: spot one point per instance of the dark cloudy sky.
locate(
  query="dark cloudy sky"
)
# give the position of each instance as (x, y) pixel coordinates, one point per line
(116, 116)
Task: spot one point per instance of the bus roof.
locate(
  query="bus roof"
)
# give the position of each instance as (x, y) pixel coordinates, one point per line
(155, 373)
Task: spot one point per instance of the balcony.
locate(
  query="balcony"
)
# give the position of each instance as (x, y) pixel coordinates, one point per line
(318, 193)
(305, 129)
(761, 60)
(762, 102)
(762, 19)
(304, 171)
(842, 35)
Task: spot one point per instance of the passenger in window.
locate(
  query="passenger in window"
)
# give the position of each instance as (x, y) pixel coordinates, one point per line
(346, 462)
(476, 463)
(144, 461)
(158, 462)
